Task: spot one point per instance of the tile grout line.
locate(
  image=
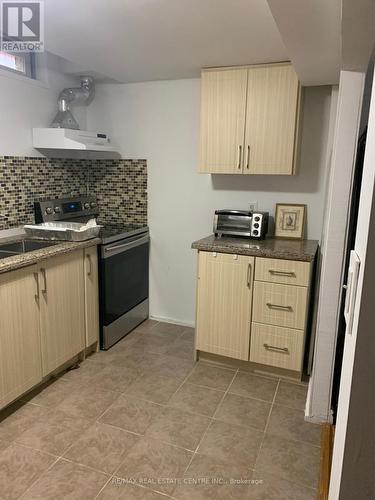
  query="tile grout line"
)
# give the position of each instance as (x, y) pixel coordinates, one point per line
(266, 426)
(209, 425)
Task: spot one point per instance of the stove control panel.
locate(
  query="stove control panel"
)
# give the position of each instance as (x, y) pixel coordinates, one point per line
(65, 209)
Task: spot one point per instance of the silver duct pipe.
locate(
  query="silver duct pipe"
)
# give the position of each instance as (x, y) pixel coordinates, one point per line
(78, 95)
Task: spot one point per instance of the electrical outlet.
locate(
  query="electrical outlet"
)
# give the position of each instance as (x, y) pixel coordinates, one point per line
(253, 206)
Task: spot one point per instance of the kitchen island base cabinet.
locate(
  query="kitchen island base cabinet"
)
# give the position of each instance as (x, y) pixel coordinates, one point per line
(20, 354)
(224, 304)
(62, 309)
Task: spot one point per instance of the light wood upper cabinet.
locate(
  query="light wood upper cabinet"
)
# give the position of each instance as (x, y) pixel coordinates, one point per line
(62, 309)
(273, 94)
(250, 120)
(224, 304)
(20, 352)
(91, 296)
(223, 108)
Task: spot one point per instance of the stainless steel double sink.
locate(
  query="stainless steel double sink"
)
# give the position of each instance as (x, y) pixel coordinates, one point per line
(23, 246)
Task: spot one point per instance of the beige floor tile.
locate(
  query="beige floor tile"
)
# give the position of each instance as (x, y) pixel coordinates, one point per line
(114, 378)
(3, 445)
(247, 384)
(117, 489)
(212, 478)
(294, 461)
(101, 447)
(196, 399)
(172, 366)
(67, 481)
(217, 469)
(180, 348)
(211, 376)
(292, 395)
(146, 326)
(131, 414)
(158, 463)
(83, 373)
(153, 387)
(51, 394)
(188, 334)
(88, 402)
(231, 443)
(239, 410)
(19, 417)
(19, 468)
(155, 343)
(178, 428)
(53, 433)
(169, 329)
(291, 424)
(269, 487)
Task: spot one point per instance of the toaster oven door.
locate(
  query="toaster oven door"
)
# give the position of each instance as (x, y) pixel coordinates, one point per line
(233, 224)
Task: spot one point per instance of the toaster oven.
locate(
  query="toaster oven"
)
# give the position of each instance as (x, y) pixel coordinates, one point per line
(241, 223)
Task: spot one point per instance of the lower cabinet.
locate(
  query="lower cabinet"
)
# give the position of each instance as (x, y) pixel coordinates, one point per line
(20, 353)
(62, 309)
(253, 309)
(225, 284)
(49, 314)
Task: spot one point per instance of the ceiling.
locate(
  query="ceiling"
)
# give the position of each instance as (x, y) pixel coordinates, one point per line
(311, 31)
(141, 40)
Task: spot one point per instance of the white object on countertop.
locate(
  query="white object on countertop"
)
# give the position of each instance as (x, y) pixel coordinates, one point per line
(9, 233)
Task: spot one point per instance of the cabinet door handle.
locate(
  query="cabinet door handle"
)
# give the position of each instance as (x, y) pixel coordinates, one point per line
(275, 348)
(249, 275)
(89, 271)
(44, 274)
(239, 155)
(277, 306)
(291, 274)
(248, 157)
(36, 276)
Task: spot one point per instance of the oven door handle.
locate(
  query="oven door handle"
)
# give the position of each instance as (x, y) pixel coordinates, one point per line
(127, 246)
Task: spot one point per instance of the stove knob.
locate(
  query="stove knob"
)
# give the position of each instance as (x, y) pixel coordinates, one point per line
(255, 232)
(257, 219)
(49, 210)
(86, 205)
(93, 204)
(57, 209)
(256, 225)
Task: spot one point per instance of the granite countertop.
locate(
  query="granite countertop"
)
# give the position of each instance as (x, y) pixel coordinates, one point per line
(27, 259)
(304, 250)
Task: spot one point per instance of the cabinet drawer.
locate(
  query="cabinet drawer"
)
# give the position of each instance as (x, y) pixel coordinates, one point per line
(276, 346)
(288, 272)
(280, 305)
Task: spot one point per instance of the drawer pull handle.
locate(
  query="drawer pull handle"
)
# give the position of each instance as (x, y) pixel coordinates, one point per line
(277, 306)
(275, 348)
(290, 274)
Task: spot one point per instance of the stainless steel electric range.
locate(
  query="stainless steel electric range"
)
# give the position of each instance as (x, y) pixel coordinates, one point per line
(123, 265)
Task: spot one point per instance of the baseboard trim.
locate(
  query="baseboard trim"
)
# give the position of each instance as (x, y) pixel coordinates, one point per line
(172, 320)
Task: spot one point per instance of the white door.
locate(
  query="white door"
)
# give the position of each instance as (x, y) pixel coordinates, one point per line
(366, 202)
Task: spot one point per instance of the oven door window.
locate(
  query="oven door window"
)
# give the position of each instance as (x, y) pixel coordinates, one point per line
(124, 281)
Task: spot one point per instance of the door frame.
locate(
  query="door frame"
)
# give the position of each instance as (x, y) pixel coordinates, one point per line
(333, 243)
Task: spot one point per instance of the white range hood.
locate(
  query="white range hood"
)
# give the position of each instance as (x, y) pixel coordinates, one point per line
(70, 143)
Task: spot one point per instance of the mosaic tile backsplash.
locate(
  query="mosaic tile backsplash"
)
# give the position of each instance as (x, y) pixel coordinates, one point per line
(119, 185)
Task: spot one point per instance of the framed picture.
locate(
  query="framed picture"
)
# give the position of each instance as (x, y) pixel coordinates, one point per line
(290, 221)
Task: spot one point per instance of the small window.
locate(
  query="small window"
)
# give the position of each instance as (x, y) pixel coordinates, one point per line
(23, 63)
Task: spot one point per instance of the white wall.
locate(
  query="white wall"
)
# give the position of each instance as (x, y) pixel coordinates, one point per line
(26, 103)
(159, 121)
